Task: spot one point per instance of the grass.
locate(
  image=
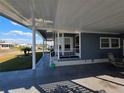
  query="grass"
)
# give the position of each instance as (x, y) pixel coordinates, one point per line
(15, 61)
(9, 50)
(2, 51)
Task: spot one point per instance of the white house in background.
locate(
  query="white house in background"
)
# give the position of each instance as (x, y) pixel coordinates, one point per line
(6, 45)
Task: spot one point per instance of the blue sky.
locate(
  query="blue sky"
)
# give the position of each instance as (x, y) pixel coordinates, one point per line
(13, 32)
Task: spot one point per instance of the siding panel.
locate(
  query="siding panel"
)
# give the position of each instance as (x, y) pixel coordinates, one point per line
(90, 46)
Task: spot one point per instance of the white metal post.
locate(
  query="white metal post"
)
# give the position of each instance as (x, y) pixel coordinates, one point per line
(46, 44)
(80, 44)
(33, 37)
(55, 44)
(63, 41)
(54, 40)
(58, 45)
(43, 46)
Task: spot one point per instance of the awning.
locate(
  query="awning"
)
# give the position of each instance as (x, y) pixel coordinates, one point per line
(71, 15)
(43, 33)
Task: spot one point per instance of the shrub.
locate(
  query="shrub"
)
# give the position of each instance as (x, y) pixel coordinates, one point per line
(26, 50)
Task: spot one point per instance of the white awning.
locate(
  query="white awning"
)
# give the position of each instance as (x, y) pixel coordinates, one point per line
(71, 15)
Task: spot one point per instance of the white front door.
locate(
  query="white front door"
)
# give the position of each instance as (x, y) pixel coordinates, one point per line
(65, 44)
(68, 44)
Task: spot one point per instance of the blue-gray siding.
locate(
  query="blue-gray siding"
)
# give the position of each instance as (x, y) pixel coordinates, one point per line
(90, 46)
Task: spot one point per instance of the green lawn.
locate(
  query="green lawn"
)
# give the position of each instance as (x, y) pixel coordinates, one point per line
(11, 62)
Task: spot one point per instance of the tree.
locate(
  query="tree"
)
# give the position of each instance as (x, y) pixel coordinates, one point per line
(26, 50)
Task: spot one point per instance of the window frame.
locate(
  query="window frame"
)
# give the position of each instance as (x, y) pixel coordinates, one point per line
(118, 43)
(110, 43)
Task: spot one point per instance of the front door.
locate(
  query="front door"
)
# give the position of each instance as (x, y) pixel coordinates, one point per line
(67, 44)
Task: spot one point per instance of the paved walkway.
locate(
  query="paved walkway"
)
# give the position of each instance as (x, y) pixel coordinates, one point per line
(45, 80)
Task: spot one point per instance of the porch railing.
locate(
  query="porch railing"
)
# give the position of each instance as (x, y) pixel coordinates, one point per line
(68, 52)
(52, 54)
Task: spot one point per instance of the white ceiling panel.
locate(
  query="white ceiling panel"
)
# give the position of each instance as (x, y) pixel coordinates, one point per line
(74, 15)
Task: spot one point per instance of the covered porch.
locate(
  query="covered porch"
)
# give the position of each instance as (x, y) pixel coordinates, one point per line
(64, 17)
(66, 45)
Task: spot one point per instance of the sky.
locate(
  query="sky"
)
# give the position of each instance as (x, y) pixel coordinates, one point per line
(13, 32)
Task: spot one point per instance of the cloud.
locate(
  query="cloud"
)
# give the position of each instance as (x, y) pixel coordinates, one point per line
(14, 23)
(17, 32)
(18, 41)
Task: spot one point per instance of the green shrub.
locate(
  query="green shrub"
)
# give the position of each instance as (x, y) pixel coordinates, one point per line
(26, 50)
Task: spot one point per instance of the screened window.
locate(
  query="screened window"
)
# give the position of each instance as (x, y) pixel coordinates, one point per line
(109, 42)
(115, 43)
(104, 43)
(67, 44)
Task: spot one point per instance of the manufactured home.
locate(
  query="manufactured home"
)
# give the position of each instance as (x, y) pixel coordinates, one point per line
(83, 31)
(6, 45)
(85, 48)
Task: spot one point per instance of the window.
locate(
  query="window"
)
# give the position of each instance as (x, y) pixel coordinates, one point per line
(67, 44)
(109, 43)
(60, 47)
(77, 40)
(105, 43)
(115, 43)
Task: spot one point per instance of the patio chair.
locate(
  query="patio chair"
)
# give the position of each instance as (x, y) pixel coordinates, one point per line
(118, 62)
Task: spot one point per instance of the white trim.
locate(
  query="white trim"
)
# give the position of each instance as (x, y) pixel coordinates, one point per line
(33, 36)
(101, 42)
(98, 32)
(43, 46)
(75, 39)
(58, 45)
(63, 43)
(80, 53)
(77, 54)
(71, 44)
(80, 62)
(77, 31)
(118, 43)
(110, 43)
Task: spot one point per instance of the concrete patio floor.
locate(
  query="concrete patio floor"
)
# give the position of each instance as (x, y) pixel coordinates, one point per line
(88, 79)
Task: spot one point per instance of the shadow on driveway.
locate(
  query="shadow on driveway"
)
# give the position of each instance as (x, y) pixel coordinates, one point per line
(45, 80)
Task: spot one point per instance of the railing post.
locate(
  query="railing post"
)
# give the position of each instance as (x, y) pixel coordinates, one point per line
(50, 59)
(63, 41)
(79, 44)
(43, 46)
(58, 45)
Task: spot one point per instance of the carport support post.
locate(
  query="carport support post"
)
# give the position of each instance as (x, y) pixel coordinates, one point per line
(58, 45)
(33, 37)
(79, 44)
(43, 46)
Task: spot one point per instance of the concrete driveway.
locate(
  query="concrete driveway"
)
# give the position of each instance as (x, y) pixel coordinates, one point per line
(77, 79)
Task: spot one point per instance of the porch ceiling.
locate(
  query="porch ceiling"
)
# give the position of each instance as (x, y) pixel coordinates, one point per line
(71, 15)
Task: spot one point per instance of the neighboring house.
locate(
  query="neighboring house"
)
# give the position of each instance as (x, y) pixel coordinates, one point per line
(5, 45)
(83, 48)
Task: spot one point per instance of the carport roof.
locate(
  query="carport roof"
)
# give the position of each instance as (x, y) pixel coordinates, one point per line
(71, 15)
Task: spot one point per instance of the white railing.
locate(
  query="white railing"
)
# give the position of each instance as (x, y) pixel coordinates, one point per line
(51, 57)
(68, 52)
